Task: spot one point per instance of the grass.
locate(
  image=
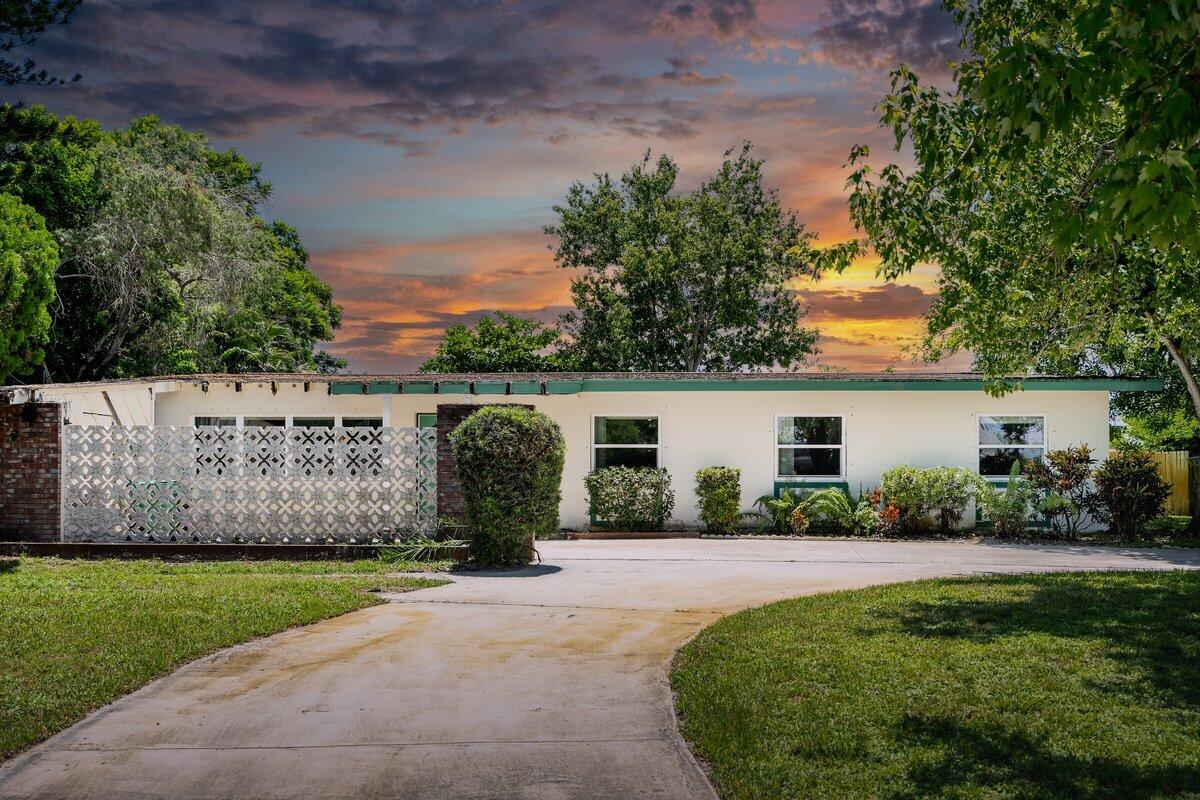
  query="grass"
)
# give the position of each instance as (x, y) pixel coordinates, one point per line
(1081, 686)
(79, 634)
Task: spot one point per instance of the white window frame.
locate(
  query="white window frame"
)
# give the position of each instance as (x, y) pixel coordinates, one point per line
(658, 447)
(979, 447)
(802, 478)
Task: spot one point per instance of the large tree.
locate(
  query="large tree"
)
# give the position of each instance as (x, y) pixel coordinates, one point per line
(498, 343)
(674, 281)
(1049, 257)
(28, 258)
(166, 266)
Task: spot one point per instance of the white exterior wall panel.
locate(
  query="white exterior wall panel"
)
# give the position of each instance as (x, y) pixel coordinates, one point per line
(883, 428)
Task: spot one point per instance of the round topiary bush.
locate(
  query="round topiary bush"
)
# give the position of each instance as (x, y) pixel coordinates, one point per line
(510, 464)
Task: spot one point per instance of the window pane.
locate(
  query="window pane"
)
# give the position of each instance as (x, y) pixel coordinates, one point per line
(264, 422)
(626, 430)
(362, 422)
(806, 461)
(1012, 430)
(999, 460)
(426, 421)
(312, 422)
(810, 430)
(224, 422)
(626, 457)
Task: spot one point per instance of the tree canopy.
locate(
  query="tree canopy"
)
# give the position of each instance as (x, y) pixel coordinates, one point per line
(28, 258)
(683, 282)
(1050, 259)
(499, 342)
(21, 22)
(166, 266)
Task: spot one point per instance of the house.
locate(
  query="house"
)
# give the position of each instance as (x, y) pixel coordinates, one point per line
(780, 429)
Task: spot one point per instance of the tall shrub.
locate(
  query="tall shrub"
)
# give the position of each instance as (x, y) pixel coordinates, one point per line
(1130, 492)
(630, 498)
(1062, 480)
(719, 490)
(510, 463)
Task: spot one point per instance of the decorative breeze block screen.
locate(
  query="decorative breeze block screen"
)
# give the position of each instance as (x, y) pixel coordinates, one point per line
(269, 485)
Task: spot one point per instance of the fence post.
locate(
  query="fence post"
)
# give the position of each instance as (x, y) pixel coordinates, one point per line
(1194, 481)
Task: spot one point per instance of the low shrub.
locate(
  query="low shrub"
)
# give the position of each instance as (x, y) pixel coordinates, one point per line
(777, 511)
(630, 498)
(510, 463)
(829, 510)
(1062, 482)
(911, 498)
(798, 521)
(719, 490)
(1129, 492)
(1169, 524)
(1008, 509)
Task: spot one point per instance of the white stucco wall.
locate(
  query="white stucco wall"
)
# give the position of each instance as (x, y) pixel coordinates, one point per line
(100, 404)
(710, 428)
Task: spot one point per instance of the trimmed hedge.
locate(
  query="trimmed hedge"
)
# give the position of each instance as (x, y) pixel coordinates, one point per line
(719, 490)
(630, 498)
(510, 464)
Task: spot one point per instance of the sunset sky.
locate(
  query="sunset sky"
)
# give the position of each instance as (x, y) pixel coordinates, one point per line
(418, 146)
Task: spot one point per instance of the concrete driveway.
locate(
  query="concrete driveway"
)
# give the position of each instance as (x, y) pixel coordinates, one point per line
(544, 683)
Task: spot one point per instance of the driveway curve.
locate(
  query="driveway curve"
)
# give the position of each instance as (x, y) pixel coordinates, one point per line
(545, 683)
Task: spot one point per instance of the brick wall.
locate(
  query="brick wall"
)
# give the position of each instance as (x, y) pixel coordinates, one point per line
(30, 480)
(449, 417)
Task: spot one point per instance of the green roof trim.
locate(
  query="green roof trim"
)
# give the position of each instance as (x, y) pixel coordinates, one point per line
(575, 383)
(568, 387)
(859, 385)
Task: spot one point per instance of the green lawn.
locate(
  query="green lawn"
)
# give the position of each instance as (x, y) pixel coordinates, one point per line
(1073, 686)
(75, 635)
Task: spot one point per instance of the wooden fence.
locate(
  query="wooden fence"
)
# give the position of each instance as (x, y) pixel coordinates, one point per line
(1174, 468)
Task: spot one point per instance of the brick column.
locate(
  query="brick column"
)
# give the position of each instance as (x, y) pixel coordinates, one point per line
(449, 417)
(30, 474)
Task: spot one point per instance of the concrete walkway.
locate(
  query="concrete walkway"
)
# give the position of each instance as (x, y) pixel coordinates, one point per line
(544, 683)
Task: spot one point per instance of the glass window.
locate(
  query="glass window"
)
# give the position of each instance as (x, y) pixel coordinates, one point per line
(1004, 441)
(362, 422)
(265, 422)
(426, 421)
(221, 422)
(809, 447)
(625, 442)
(312, 422)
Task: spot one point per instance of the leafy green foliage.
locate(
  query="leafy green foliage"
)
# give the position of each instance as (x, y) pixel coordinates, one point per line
(1170, 524)
(1130, 491)
(510, 463)
(21, 22)
(1062, 481)
(417, 549)
(918, 495)
(28, 258)
(1055, 189)
(778, 510)
(719, 490)
(827, 510)
(1008, 510)
(630, 498)
(166, 267)
(498, 343)
(675, 282)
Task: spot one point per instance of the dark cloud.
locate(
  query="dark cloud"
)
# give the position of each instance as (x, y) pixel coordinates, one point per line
(879, 34)
(889, 301)
(371, 69)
